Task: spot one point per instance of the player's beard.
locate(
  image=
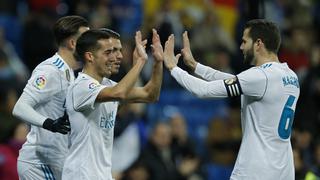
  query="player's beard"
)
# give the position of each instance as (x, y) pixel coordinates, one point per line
(115, 70)
(104, 70)
(249, 57)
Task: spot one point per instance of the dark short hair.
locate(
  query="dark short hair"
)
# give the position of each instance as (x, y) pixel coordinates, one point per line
(111, 33)
(88, 41)
(267, 31)
(68, 26)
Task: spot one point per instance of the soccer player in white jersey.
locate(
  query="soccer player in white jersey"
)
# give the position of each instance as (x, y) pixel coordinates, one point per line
(269, 93)
(92, 102)
(42, 104)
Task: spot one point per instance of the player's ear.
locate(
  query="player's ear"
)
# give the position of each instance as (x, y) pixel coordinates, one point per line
(88, 56)
(259, 42)
(72, 43)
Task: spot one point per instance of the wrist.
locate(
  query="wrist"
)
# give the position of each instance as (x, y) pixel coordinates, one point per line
(48, 124)
(140, 62)
(170, 68)
(193, 65)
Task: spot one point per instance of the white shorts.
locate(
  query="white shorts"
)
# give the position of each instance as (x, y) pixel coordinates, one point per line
(30, 171)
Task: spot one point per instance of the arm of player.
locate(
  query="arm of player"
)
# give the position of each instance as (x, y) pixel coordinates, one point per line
(42, 85)
(195, 85)
(151, 91)
(120, 91)
(199, 87)
(204, 72)
(252, 82)
(24, 110)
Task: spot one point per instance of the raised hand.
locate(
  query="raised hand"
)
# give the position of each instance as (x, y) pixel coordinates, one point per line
(139, 53)
(156, 46)
(170, 60)
(186, 52)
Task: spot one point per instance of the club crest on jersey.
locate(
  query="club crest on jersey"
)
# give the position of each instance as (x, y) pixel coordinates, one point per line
(40, 82)
(93, 85)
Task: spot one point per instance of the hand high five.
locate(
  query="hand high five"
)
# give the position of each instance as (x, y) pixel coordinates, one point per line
(139, 52)
(170, 60)
(156, 46)
(186, 52)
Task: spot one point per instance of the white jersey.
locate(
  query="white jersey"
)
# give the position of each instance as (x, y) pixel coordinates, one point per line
(269, 96)
(92, 126)
(48, 87)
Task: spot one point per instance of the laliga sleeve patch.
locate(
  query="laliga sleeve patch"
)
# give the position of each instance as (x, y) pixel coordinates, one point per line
(233, 87)
(93, 85)
(40, 82)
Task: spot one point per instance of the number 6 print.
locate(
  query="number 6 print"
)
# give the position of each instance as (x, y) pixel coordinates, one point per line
(286, 120)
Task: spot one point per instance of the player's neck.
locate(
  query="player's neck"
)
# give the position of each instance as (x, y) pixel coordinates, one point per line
(68, 57)
(92, 73)
(267, 58)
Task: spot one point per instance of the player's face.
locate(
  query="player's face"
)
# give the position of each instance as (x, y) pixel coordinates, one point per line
(247, 47)
(104, 57)
(117, 47)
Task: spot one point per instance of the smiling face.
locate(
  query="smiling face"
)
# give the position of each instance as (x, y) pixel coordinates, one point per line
(117, 48)
(247, 47)
(104, 57)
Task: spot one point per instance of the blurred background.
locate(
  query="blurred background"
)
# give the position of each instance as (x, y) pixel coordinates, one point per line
(181, 136)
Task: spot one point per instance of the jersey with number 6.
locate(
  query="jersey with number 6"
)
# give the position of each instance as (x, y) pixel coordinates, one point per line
(269, 94)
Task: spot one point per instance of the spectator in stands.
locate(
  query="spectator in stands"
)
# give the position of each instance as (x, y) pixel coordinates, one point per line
(183, 148)
(9, 149)
(157, 155)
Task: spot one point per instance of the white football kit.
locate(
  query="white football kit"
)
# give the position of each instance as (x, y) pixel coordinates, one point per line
(269, 94)
(44, 152)
(92, 124)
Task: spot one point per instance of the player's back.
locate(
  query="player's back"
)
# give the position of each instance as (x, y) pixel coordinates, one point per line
(267, 118)
(47, 86)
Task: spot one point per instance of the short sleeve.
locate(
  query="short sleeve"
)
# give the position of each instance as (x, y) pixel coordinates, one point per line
(253, 82)
(44, 83)
(84, 94)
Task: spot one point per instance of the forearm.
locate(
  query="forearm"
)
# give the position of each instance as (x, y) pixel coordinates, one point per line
(211, 74)
(192, 64)
(24, 110)
(151, 91)
(122, 89)
(153, 86)
(199, 87)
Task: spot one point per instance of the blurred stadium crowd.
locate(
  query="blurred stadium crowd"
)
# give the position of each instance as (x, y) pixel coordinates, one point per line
(181, 136)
